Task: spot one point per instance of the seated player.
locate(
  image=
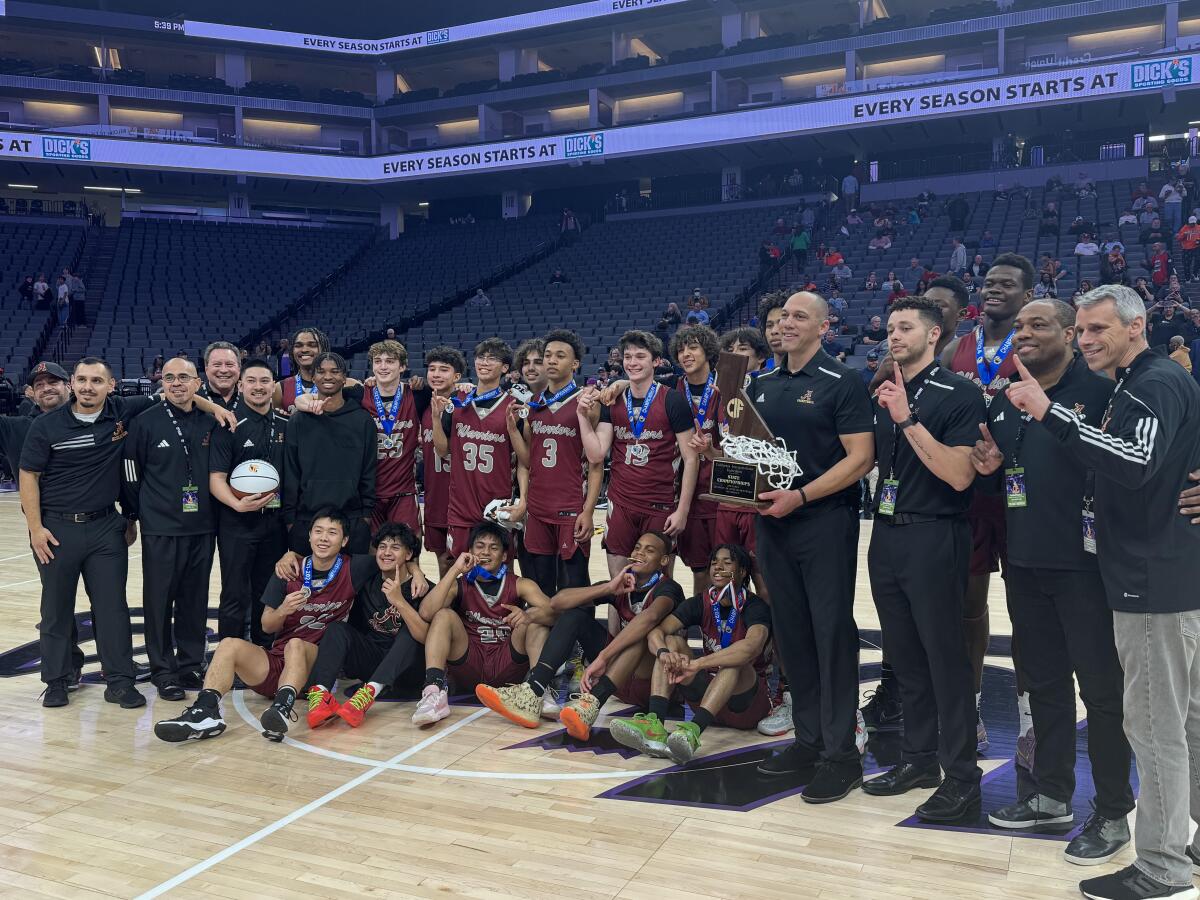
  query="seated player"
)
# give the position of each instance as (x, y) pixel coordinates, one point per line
(382, 638)
(735, 626)
(297, 612)
(642, 595)
(477, 629)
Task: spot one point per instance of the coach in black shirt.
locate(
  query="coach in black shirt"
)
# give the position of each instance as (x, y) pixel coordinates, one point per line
(807, 545)
(1055, 595)
(925, 431)
(250, 530)
(166, 487)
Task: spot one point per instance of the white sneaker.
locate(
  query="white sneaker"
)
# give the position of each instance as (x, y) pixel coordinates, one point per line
(433, 706)
(860, 733)
(550, 705)
(779, 720)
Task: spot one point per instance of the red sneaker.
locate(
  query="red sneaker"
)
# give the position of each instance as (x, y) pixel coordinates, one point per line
(356, 707)
(321, 707)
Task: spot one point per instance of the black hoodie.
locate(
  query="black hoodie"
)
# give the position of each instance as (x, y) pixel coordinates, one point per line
(329, 460)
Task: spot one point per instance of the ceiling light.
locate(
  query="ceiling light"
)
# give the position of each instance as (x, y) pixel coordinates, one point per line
(111, 190)
(24, 187)
(423, 203)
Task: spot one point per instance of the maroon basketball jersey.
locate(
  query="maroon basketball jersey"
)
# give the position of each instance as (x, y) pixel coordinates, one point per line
(711, 636)
(963, 364)
(288, 392)
(482, 615)
(481, 468)
(328, 605)
(437, 476)
(396, 472)
(557, 462)
(629, 606)
(643, 470)
(703, 509)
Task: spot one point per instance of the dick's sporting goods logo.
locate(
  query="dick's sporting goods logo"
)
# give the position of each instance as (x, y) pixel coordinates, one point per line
(585, 145)
(440, 36)
(1162, 73)
(66, 148)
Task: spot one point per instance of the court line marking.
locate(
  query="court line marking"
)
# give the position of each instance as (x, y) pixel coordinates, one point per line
(13, 584)
(240, 705)
(300, 813)
(18, 556)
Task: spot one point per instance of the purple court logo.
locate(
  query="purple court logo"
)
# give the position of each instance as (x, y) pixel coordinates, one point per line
(585, 145)
(66, 148)
(1161, 73)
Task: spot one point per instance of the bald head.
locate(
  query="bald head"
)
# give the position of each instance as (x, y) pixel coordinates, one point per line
(814, 303)
(805, 318)
(179, 364)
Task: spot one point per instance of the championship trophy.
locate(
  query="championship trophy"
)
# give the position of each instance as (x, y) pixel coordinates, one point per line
(753, 460)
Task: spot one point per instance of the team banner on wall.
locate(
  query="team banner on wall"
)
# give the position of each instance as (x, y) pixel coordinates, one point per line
(862, 110)
(580, 12)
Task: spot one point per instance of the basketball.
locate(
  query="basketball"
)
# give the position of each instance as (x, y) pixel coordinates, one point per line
(254, 476)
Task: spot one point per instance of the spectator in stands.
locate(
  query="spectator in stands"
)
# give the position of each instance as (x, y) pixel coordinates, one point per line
(1129, 217)
(1049, 224)
(986, 240)
(913, 218)
(958, 210)
(800, 242)
(831, 345)
(1173, 288)
(557, 277)
(41, 291)
(1045, 287)
(868, 373)
(970, 282)
(1171, 197)
(154, 372)
(958, 256)
(889, 284)
(697, 314)
(898, 291)
(915, 271)
(871, 283)
(1051, 266)
(781, 227)
(850, 190)
(62, 303)
(1160, 266)
(795, 181)
(1189, 246)
(842, 272)
(1139, 194)
(26, 292)
(874, 333)
(1084, 287)
(1178, 352)
(283, 358)
(836, 301)
(1148, 215)
(1110, 243)
(880, 242)
(568, 226)
(1154, 233)
(480, 299)
(1087, 246)
(978, 267)
(833, 257)
(76, 289)
(1165, 323)
(1084, 187)
(1144, 291)
(921, 287)
(1113, 268)
(808, 217)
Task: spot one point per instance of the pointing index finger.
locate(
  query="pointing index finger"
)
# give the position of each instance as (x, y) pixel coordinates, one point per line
(987, 435)
(1020, 366)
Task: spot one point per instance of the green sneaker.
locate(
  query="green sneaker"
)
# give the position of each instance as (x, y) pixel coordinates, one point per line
(683, 743)
(643, 733)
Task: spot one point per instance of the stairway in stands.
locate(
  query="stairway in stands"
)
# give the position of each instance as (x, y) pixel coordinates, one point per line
(68, 344)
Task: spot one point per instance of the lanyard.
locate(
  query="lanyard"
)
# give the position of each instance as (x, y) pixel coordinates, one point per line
(768, 366)
(542, 401)
(473, 397)
(701, 402)
(725, 627)
(479, 573)
(637, 420)
(388, 421)
(187, 453)
(913, 412)
(298, 382)
(988, 371)
(308, 588)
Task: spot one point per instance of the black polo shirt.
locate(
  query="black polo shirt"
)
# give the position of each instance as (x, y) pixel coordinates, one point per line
(810, 410)
(951, 408)
(80, 462)
(257, 437)
(12, 436)
(1046, 532)
(157, 468)
(209, 394)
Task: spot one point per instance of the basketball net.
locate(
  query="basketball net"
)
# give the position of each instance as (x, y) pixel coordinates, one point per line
(775, 462)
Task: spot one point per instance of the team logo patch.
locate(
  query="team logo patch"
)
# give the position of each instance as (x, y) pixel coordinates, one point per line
(806, 397)
(1078, 410)
(119, 433)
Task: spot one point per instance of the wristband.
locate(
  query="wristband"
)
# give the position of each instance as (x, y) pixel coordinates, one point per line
(662, 650)
(906, 424)
(803, 497)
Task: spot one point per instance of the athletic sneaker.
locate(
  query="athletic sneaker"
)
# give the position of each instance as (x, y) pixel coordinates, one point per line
(321, 707)
(580, 714)
(981, 735)
(516, 702)
(433, 706)
(73, 679)
(577, 670)
(643, 733)
(860, 732)
(193, 724)
(55, 693)
(683, 743)
(779, 720)
(1132, 884)
(274, 720)
(551, 708)
(1034, 810)
(353, 710)
(882, 711)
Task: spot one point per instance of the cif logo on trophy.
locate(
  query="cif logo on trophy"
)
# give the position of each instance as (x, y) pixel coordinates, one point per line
(753, 460)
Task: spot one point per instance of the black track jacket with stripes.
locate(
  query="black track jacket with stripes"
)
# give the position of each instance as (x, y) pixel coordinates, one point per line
(1149, 554)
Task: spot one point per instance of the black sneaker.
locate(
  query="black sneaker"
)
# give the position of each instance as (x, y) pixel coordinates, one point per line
(1133, 884)
(1099, 840)
(74, 678)
(193, 724)
(191, 681)
(1032, 811)
(882, 711)
(833, 781)
(954, 801)
(125, 694)
(141, 671)
(55, 693)
(275, 720)
(791, 759)
(169, 690)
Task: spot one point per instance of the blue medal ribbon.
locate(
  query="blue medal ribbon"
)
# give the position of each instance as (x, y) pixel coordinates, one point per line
(637, 420)
(542, 401)
(725, 626)
(478, 573)
(473, 397)
(702, 403)
(768, 366)
(388, 421)
(988, 371)
(298, 383)
(308, 574)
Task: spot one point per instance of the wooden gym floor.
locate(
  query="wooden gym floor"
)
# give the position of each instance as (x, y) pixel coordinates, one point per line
(92, 805)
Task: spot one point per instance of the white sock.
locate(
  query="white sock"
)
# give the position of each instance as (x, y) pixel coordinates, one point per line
(321, 687)
(978, 698)
(1026, 717)
(376, 687)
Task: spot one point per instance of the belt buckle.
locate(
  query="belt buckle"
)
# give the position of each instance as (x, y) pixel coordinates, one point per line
(79, 518)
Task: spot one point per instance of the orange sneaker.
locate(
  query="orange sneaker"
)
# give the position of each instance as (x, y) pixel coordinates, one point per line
(356, 707)
(579, 715)
(321, 707)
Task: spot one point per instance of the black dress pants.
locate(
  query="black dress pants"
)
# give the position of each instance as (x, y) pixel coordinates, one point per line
(248, 560)
(175, 572)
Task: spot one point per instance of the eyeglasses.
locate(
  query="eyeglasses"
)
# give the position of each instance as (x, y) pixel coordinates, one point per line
(178, 379)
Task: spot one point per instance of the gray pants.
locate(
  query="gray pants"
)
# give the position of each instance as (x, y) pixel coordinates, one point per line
(1160, 653)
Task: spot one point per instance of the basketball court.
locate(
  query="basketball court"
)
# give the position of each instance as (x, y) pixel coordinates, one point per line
(92, 805)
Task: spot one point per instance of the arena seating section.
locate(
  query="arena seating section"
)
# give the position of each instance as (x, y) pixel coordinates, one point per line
(177, 285)
(27, 249)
